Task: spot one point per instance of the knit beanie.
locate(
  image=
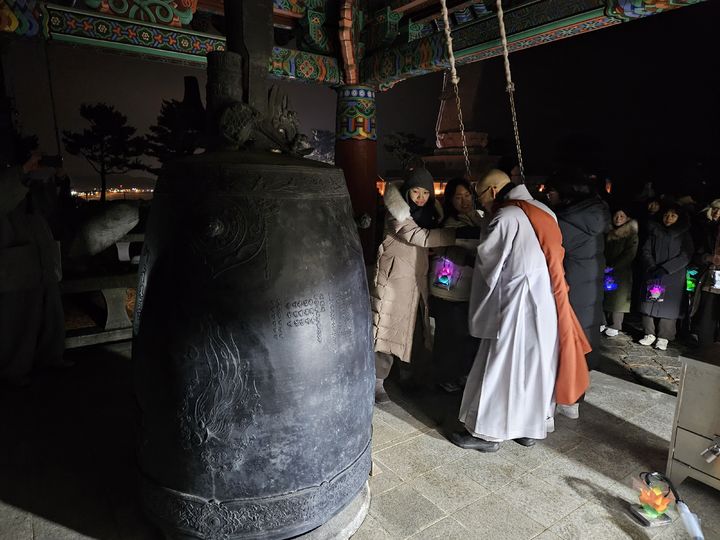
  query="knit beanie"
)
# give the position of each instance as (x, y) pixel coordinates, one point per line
(421, 178)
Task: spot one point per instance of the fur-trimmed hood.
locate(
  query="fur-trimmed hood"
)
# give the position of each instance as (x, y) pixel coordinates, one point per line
(398, 206)
(623, 231)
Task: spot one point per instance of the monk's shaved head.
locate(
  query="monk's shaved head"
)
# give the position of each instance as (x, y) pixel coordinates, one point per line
(494, 178)
(489, 187)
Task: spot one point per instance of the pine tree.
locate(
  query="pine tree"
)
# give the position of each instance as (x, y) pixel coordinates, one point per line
(175, 135)
(109, 145)
(406, 147)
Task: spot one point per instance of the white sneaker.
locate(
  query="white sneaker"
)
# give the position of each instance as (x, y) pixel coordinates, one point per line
(550, 424)
(602, 328)
(661, 344)
(649, 339)
(571, 411)
(611, 332)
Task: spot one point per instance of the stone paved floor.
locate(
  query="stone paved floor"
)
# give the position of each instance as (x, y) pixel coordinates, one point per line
(66, 465)
(575, 484)
(624, 357)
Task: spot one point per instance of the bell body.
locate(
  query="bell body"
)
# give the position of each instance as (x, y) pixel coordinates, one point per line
(253, 348)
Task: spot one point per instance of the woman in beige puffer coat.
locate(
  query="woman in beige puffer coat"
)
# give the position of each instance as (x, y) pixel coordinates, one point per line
(399, 294)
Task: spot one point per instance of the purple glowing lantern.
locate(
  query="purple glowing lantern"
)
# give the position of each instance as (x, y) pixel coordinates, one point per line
(446, 274)
(655, 292)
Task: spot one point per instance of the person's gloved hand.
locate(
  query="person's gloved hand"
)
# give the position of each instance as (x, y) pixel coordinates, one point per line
(467, 233)
(656, 272)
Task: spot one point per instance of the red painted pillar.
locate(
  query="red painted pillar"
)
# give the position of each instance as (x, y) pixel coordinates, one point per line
(356, 155)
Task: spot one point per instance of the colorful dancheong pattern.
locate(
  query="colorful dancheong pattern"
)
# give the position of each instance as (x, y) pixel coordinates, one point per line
(356, 113)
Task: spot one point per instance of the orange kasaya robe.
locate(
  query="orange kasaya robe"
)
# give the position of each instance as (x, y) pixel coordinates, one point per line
(573, 378)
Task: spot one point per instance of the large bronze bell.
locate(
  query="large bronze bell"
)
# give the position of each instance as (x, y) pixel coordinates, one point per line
(253, 345)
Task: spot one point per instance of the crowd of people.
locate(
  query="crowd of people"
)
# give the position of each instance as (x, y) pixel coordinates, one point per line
(523, 286)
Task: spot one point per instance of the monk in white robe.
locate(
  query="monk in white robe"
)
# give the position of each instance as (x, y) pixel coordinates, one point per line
(510, 389)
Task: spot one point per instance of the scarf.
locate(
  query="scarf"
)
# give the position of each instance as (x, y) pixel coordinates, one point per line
(572, 378)
(424, 216)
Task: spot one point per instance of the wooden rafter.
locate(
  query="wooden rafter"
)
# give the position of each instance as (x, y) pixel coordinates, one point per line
(347, 43)
(409, 6)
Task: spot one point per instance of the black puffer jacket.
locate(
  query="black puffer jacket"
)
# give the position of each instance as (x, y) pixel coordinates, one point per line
(583, 225)
(665, 256)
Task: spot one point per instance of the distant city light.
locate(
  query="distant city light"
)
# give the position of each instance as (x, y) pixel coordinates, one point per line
(112, 193)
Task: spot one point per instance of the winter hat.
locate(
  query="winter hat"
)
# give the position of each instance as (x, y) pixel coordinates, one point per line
(419, 177)
(425, 216)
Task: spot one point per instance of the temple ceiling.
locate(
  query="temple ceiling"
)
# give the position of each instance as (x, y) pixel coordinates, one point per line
(333, 42)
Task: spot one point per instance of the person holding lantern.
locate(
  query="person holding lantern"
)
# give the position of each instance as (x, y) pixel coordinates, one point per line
(705, 309)
(621, 246)
(450, 278)
(665, 256)
(399, 292)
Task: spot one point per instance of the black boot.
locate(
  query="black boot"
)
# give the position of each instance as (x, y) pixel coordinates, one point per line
(525, 441)
(467, 441)
(380, 393)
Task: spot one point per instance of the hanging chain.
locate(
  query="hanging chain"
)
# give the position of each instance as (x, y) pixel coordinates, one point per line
(454, 79)
(510, 87)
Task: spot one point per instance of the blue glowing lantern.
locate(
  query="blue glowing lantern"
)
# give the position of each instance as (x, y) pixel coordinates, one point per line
(609, 282)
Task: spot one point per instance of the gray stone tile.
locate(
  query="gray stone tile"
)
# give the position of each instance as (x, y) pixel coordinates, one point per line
(385, 435)
(622, 451)
(619, 398)
(657, 421)
(593, 521)
(383, 480)
(594, 422)
(547, 535)
(47, 530)
(582, 477)
(491, 471)
(15, 524)
(494, 517)
(371, 530)
(403, 511)
(403, 417)
(419, 455)
(446, 529)
(448, 487)
(540, 501)
(530, 458)
(674, 531)
(563, 439)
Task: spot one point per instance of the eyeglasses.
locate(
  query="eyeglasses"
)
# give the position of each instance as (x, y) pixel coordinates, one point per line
(483, 191)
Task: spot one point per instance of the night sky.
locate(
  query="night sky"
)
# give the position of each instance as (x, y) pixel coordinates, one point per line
(639, 101)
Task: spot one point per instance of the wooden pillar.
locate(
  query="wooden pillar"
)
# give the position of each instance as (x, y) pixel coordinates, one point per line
(356, 155)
